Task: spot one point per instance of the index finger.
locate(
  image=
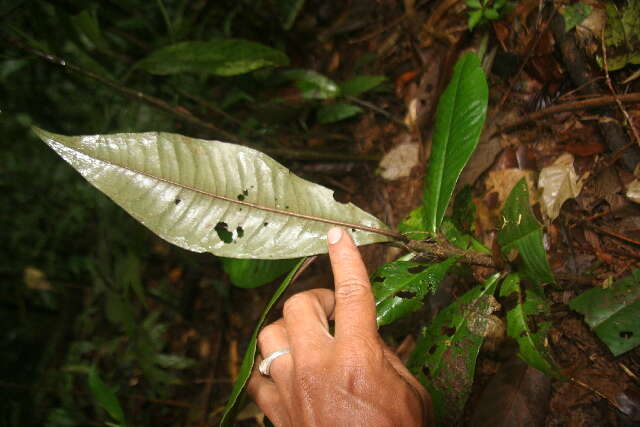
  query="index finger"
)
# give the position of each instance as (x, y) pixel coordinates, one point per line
(355, 307)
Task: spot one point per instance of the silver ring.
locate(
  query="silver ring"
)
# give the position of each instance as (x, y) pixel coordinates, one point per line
(265, 365)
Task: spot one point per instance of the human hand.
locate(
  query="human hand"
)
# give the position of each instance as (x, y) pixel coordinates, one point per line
(350, 379)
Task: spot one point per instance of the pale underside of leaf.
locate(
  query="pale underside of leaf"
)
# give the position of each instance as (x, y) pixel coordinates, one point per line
(195, 193)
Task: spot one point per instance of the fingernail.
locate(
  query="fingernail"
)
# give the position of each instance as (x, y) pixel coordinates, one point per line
(334, 235)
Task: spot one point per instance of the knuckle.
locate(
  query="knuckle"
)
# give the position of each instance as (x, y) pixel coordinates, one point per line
(352, 288)
(269, 332)
(295, 302)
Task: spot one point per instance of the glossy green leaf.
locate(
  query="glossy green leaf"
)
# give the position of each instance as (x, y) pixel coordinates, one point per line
(522, 231)
(613, 313)
(210, 196)
(337, 111)
(105, 396)
(459, 120)
(235, 399)
(222, 57)
(360, 84)
(251, 273)
(312, 84)
(400, 287)
(445, 356)
(526, 309)
(575, 14)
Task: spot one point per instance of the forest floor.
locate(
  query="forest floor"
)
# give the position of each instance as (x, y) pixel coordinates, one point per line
(550, 104)
(594, 239)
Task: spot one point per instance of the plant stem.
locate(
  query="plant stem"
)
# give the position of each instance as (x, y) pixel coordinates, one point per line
(445, 250)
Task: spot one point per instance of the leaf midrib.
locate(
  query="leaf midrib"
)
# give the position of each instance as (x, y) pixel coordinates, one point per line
(247, 204)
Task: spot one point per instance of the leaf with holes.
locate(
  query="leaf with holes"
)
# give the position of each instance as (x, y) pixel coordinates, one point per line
(248, 360)
(526, 311)
(400, 286)
(613, 313)
(459, 120)
(210, 196)
(251, 273)
(222, 57)
(445, 356)
(522, 231)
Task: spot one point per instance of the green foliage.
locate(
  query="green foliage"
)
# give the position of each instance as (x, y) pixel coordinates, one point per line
(461, 240)
(399, 287)
(483, 11)
(575, 14)
(460, 117)
(360, 84)
(446, 351)
(312, 84)
(237, 198)
(335, 112)
(221, 57)
(613, 313)
(413, 226)
(523, 232)
(105, 396)
(527, 314)
(237, 393)
(622, 35)
(251, 273)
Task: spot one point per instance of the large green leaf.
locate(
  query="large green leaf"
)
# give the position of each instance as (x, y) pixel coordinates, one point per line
(445, 356)
(613, 313)
(622, 35)
(248, 361)
(522, 231)
(526, 309)
(210, 196)
(105, 396)
(400, 286)
(222, 57)
(251, 273)
(459, 120)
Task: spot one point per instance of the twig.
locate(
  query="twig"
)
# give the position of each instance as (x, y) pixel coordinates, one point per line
(600, 101)
(530, 49)
(377, 110)
(613, 91)
(182, 112)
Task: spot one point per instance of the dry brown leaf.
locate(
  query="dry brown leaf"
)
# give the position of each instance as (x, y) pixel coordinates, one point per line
(398, 162)
(558, 182)
(502, 182)
(633, 191)
(36, 279)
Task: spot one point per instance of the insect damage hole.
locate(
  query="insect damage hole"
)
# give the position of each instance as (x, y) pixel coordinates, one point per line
(177, 201)
(240, 231)
(222, 229)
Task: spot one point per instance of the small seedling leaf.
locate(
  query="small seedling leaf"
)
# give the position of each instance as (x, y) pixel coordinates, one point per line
(360, 84)
(105, 396)
(613, 313)
(337, 111)
(575, 14)
(222, 57)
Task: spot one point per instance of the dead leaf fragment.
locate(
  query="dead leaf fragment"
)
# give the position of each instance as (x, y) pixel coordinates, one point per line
(36, 279)
(633, 191)
(398, 162)
(559, 182)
